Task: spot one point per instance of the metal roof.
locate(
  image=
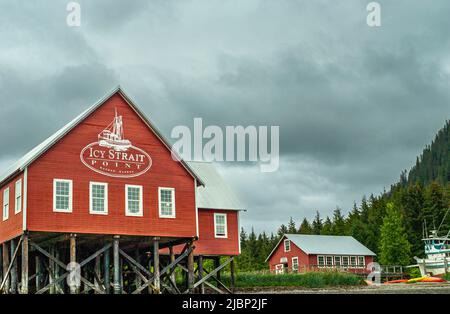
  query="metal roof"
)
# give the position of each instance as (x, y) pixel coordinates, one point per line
(216, 194)
(326, 245)
(37, 151)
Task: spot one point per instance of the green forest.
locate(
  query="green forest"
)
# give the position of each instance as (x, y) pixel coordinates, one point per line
(390, 224)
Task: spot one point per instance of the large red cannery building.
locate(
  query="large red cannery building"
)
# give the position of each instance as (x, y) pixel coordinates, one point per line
(300, 252)
(103, 191)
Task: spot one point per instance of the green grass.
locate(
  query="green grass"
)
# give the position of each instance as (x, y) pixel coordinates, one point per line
(307, 280)
(446, 277)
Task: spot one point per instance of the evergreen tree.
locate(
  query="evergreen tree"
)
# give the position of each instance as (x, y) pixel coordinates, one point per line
(317, 224)
(305, 227)
(282, 231)
(327, 228)
(338, 224)
(394, 246)
(291, 228)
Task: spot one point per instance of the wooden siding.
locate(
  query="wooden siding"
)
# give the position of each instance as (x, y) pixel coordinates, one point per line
(62, 161)
(12, 227)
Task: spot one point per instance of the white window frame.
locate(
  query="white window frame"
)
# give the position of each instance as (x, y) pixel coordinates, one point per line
(338, 258)
(173, 215)
(141, 212)
(348, 261)
(225, 224)
(91, 207)
(323, 259)
(295, 258)
(351, 265)
(70, 196)
(5, 204)
(363, 265)
(18, 204)
(326, 260)
(284, 243)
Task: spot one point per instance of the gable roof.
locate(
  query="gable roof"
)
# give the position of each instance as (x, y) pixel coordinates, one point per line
(216, 194)
(37, 151)
(326, 244)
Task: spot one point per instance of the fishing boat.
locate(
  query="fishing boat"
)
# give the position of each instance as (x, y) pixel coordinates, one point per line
(437, 251)
(113, 136)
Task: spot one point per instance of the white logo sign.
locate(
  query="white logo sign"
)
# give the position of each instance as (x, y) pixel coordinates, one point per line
(113, 155)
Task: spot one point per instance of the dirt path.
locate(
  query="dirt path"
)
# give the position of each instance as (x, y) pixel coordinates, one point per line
(417, 288)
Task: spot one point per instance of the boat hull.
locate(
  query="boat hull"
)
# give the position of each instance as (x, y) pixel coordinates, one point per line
(116, 145)
(433, 267)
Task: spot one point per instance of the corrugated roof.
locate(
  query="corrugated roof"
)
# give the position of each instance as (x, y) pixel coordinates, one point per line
(326, 245)
(216, 194)
(33, 154)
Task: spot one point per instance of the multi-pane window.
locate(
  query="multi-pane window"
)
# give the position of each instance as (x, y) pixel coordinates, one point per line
(295, 264)
(337, 261)
(98, 200)
(353, 261)
(62, 195)
(166, 202)
(345, 261)
(329, 260)
(6, 204)
(320, 261)
(18, 197)
(220, 225)
(133, 200)
(361, 261)
(287, 245)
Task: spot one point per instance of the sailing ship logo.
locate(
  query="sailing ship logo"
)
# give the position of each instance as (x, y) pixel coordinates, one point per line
(113, 136)
(114, 155)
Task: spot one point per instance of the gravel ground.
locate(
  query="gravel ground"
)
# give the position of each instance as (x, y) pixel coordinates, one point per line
(417, 288)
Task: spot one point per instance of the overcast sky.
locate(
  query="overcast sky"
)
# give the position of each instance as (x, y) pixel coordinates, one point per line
(355, 104)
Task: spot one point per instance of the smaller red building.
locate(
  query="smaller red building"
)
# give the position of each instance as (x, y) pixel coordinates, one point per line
(299, 252)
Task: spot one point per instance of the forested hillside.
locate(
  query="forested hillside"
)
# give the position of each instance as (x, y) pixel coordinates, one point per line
(394, 219)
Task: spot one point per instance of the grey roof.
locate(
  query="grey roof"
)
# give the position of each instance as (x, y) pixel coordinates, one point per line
(326, 245)
(37, 151)
(215, 194)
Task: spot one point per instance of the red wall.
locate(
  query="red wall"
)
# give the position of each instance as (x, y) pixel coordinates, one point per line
(310, 261)
(207, 244)
(303, 258)
(62, 161)
(12, 227)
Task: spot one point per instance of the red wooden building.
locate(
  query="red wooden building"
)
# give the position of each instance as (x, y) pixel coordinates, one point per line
(107, 182)
(298, 253)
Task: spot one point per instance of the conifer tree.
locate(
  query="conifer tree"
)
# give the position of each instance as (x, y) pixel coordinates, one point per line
(305, 227)
(317, 224)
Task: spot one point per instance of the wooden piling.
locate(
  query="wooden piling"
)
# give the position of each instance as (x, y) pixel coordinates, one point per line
(190, 267)
(56, 269)
(116, 262)
(51, 270)
(217, 265)
(156, 279)
(106, 274)
(13, 287)
(97, 283)
(172, 259)
(232, 276)
(38, 266)
(73, 258)
(24, 276)
(200, 274)
(5, 254)
(137, 258)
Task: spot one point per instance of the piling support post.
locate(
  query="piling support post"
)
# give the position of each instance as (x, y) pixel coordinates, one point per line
(172, 259)
(200, 274)
(51, 270)
(190, 267)
(106, 274)
(97, 283)
(14, 268)
(73, 259)
(137, 258)
(5, 254)
(38, 278)
(24, 277)
(116, 262)
(232, 276)
(156, 279)
(217, 265)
